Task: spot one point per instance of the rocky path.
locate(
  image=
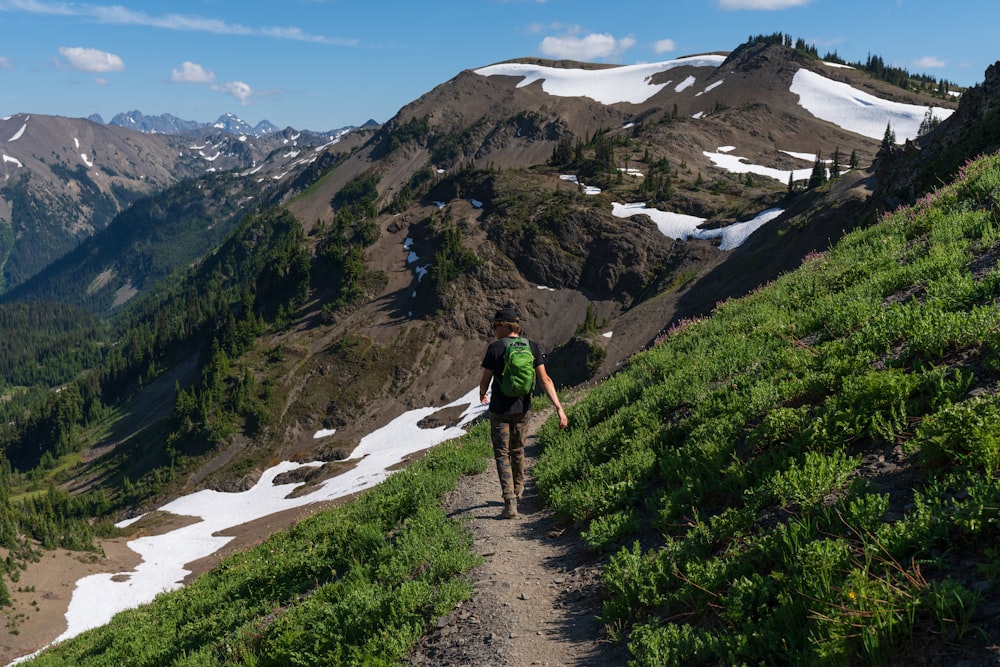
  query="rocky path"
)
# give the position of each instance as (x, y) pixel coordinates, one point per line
(537, 592)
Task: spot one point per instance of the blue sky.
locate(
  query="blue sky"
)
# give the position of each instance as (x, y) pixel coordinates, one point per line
(325, 64)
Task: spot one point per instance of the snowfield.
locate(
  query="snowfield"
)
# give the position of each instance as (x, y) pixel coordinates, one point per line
(98, 597)
(858, 111)
(629, 83)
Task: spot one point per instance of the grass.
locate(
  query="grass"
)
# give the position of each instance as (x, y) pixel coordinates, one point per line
(722, 470)
(357, 585)
(722, 473)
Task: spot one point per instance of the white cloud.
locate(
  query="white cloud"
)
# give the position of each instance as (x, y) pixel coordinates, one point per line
(6, 63)
(761, 4)
(91, 60)
(119, 15)
(237, 89)
(664, 46)
(930, 62)
(588, 47)
(191, 73)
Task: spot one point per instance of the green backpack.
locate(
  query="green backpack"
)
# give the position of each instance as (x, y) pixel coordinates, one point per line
(518, 378)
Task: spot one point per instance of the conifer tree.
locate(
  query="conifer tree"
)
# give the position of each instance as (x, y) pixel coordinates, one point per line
(928, 123)
(818, 176)
(835, 167)
(889, 138)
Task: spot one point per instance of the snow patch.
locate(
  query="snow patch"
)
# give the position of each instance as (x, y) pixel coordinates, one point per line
(737, 165)
(681, 226)
(587, 189)
(98, 597)
(857, 111)
(19, 133)
(628, 83)
(685, 84)
(710, 87)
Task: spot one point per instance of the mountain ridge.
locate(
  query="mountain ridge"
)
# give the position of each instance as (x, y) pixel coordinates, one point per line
(167, 123)
(65, 179)
(476, 166)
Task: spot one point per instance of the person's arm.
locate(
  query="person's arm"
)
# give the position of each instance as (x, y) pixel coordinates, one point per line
(550, 391)
(484, 386)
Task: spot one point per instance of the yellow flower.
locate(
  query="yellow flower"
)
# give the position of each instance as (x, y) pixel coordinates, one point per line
(852, 595)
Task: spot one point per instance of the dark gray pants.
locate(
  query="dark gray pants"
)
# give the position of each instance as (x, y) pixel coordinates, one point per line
(507, 433)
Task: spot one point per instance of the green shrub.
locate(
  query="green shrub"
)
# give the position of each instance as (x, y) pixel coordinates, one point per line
(739, 439)
(965, 435)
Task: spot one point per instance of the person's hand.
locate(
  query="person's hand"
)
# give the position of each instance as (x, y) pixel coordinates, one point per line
(484, 399)
(563, 419)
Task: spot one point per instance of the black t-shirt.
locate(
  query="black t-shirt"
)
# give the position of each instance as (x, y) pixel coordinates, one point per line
(493, 361)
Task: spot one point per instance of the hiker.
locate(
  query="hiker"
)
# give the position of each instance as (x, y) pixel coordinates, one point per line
(508, 411)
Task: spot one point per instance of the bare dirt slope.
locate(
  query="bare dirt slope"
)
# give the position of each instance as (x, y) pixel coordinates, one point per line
(537, 593)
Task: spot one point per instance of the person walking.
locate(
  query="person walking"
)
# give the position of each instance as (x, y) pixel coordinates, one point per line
(508, 413)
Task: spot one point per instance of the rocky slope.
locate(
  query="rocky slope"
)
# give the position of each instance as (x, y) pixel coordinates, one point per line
(476, 156)
(65, 179)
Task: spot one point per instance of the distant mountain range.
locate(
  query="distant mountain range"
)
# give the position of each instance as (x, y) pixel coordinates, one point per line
(64, 179)
(169, 124)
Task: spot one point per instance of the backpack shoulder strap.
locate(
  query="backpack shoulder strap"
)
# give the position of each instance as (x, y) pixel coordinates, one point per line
(510, 340)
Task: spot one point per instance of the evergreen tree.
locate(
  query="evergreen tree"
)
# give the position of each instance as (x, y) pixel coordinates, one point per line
(928, 123)
(835, 167)
(562, 153)
(818, 176)
(889, 138)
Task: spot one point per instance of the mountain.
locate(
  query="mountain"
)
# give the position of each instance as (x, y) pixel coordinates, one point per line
(484, 159)
(66, 179)
(163, 124)
(170, 124)
(612, 205)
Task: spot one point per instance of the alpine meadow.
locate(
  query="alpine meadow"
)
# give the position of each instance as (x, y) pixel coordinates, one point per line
(239, 373)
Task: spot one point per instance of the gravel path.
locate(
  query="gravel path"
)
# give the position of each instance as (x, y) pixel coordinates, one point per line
(537, 593)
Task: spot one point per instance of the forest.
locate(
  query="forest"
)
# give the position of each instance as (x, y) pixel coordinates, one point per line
(65, 372)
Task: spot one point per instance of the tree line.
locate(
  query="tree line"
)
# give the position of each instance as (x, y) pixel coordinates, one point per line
(65, 371)
(873, 64)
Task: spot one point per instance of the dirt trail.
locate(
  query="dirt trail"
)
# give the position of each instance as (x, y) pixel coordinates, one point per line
(536, 595)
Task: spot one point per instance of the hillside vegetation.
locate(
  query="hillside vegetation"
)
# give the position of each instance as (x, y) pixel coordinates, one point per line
(806, 476)
(817, 461)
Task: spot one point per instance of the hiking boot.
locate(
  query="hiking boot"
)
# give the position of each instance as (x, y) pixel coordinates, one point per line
(519, 490)
(510, 508)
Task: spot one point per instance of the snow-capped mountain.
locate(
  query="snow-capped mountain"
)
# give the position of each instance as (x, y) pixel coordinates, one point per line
(170, 124)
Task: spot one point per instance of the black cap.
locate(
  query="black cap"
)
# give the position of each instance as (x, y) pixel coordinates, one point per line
(507, 315)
